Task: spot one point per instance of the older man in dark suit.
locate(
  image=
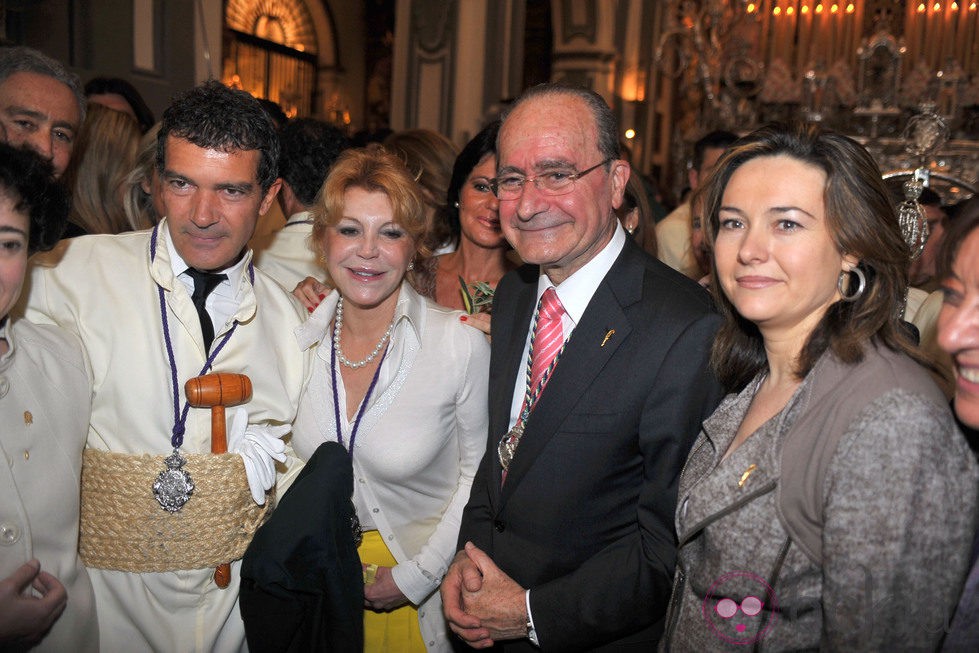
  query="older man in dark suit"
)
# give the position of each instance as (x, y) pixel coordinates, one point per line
(598, 385)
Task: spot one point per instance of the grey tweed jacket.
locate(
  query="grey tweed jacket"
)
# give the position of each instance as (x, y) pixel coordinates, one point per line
(896, 510)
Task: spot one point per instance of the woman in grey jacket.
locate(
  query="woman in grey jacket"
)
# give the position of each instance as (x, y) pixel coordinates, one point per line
(828, 503)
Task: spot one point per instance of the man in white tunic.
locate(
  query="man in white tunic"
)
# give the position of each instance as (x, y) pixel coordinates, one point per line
(673, 233)
(308, 148)
(129, 298)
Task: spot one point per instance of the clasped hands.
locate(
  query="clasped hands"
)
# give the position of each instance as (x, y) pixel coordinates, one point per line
(481, 603)
(259, 447)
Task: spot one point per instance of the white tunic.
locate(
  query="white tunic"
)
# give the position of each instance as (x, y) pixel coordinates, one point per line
(419, 442)
(45, 399)
(104, 288)
(286, 255)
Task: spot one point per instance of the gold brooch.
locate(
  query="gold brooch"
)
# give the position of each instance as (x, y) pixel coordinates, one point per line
(744, 477)
(608, 335)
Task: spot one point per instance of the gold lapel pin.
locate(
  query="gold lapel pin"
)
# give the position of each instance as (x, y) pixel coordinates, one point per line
(744, 477)
(608, 335)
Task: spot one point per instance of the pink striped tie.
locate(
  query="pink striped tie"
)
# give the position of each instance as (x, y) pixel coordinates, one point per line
(550, 335)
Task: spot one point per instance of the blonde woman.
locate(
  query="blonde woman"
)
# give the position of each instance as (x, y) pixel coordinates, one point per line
(104, 154)
(401, 383)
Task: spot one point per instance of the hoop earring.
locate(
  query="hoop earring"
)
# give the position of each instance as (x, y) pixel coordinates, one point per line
(861, 285)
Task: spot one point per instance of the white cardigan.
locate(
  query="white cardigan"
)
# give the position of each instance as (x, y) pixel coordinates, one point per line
(45, 401)
(419, 442)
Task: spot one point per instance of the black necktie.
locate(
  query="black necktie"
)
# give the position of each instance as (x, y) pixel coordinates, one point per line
(204, 283)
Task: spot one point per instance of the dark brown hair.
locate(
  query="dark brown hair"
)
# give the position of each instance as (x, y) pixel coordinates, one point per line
(862, 223)
(957, 229)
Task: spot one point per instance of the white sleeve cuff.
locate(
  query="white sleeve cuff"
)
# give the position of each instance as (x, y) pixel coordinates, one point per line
(414, 583)
(531, 631)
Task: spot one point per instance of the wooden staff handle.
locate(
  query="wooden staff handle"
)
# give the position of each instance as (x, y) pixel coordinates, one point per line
(219, 444)
(217, 391)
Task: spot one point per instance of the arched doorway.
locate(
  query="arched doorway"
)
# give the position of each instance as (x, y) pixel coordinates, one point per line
(271, 51)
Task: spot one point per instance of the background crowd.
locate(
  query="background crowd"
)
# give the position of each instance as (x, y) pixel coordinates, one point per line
(551, 435)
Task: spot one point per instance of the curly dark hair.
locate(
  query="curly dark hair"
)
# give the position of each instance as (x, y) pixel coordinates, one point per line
(214, 116)
(28, 181)
(308, 149)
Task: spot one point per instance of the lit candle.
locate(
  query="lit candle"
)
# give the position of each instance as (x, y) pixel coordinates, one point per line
(970, 37)
(921, 23)
(947, 36)
(805, 32)
(962, 25)
(918, 17)
(930, 37)
(829, 20)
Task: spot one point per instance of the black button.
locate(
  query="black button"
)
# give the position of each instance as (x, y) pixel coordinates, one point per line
(500, 526)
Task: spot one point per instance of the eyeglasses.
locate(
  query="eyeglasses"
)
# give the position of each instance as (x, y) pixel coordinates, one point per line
(557, 182)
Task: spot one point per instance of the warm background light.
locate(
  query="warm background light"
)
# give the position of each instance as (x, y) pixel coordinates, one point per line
(630, 134)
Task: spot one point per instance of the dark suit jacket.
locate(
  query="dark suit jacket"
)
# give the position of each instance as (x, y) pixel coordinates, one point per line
(586, 517)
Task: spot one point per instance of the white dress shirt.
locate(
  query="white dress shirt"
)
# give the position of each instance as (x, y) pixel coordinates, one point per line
(222, 302)
(575, 293)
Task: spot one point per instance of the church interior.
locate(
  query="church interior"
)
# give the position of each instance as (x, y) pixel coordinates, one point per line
(901, 76)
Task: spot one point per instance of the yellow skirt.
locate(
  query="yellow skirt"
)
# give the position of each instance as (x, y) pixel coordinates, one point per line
(396, 631)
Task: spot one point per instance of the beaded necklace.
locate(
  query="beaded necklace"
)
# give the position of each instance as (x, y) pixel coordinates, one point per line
(338, 324)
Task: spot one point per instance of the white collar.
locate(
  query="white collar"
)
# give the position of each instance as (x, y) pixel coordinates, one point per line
(5, 332)
(576, 291)
(178, 265)
(409, 309)
(300, 218)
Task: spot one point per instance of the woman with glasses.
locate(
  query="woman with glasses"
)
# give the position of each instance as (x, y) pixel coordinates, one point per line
(829, 503)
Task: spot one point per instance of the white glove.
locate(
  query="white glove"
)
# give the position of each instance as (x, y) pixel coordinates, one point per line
(259, 446)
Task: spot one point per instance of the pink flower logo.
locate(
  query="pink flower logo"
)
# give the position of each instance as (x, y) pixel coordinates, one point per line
(740, 607)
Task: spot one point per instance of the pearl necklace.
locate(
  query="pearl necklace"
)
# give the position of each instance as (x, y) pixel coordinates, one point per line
(338, 324)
